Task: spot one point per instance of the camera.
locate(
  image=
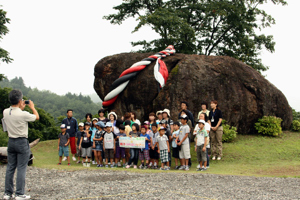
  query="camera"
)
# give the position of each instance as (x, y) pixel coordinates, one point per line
(27, 102)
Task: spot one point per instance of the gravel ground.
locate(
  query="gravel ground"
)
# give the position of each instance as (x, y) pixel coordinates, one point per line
(110, 184)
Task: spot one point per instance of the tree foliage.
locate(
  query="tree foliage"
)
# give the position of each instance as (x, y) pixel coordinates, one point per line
(4, 55)
(206, 27)
(55, 104)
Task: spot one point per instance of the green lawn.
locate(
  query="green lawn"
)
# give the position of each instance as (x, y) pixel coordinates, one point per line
(248, 155)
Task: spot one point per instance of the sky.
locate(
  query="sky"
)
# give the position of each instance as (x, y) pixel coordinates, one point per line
(56, 44)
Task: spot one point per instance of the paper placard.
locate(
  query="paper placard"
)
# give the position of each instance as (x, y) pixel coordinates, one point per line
(132, 142)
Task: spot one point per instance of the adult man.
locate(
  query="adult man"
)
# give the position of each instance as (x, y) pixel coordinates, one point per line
(184, 106)
(18, 150)
(72, 127)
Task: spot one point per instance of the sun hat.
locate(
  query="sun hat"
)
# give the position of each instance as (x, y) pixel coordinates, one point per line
(114, 114)
(158, 112)
(95, 119)
(166, 111)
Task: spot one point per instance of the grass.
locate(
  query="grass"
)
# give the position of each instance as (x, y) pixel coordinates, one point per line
(247, 155)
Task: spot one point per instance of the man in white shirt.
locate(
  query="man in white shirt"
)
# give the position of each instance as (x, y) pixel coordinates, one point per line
(18, 150)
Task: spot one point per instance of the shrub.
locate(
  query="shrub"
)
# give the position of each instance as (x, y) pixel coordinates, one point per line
(3, 138)
(296, 125)
(269, 125)
(229, 132)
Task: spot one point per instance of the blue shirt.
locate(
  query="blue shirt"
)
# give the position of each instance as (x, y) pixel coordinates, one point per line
(146, 142)
(93, 129)
(173, 141)
(71, 125)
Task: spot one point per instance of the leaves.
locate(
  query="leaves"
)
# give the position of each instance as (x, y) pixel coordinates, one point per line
(4, 55)
(219, 27)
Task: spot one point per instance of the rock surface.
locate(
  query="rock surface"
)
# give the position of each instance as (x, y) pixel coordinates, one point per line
(243, 94)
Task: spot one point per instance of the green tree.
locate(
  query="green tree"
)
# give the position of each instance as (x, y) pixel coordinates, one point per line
(206, 27)
(4, 55)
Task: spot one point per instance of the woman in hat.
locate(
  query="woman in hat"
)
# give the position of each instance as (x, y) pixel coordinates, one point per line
(166, 116)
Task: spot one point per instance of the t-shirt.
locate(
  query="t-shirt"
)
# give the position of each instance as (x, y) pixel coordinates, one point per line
(16, 122)
(214, 117)
(133, 134)
(201, 134)
(86, 141)
(103, 120)
(173, 141)
(93, 129)
(78, 136)
(182, 132)
(151, 136)
(121, 135)
(170, 122)
(137, 122)
(63, 139)
(109, 140)
(154, 138)
(146, 142)
(98, 135)
(207, 128)
(162, 142)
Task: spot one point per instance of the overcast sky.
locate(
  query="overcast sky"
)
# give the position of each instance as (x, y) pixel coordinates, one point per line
(56, 44)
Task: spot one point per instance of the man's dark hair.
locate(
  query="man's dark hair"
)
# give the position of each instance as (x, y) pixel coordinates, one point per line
(69, 110)
(15, 96)
(101, 111)
(205, 103)
(186, 103)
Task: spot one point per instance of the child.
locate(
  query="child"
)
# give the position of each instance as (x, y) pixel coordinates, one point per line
(159, 116)
(144, 153)
(154, 156)
(128, 129)
(98, 143)
(152, 119)
(201, 142)
(184, 153)
(63, 144)
(78, 137)
(163, 148)
(134, 152)
(93, 129)
(86, 145)
(164, 123)
(120, 151)
(175, 150)
(109, 144)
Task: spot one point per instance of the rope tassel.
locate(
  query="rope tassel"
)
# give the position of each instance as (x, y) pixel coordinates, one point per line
(160, 73)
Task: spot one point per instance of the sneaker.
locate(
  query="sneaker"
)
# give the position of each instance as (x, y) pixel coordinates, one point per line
(177, 167)
(207, 166)
(161, 168)
(198, 166)
(84, 164)
(119, 164)
(106, 166)
(64, 159)
(203, 169)
(167, 168)
(134, 167)
(98, 165)
(112, 166)
(78, 162)
(219, 158)
(181, 167)
(93, 162)
(101, 165)
(127, 166)
(199, 169)
(59, 164)
(146, 167)
(141, 166)
(73, 158)
(124, 165)
(88, 164)
(187, 168)
(150, 164)
(21, 197)
(69, 164)
(214, 158)
(155, 167)
(8, 196)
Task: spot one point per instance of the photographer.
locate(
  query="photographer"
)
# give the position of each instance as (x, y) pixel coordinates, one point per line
(18, 150)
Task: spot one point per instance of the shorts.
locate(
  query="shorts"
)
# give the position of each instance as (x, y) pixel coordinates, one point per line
(78, 151)
(98, 147)
(175, 152)
(164, 156)
(154, 154)
(185, 152)
(201, 155)
(120, 152)
(63, 151)
(86, 152)
(144, 155)
(109, 153)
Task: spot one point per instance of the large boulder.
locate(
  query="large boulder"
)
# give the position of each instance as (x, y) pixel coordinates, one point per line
(243, 94)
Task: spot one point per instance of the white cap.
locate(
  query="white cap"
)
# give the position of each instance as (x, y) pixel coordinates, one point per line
(201, 121)
(63, 126)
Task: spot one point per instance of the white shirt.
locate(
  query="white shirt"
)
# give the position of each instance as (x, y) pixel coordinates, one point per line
(16, 122)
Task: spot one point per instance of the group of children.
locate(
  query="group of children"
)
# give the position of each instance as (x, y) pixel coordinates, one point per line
(102, 139)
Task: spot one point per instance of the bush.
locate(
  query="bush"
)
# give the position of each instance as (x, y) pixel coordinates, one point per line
(296, 125)
(229, 132)
(269, 125)
(3, 138)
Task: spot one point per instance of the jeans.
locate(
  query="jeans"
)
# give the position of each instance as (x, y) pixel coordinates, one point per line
(134, 156)
(18, 152)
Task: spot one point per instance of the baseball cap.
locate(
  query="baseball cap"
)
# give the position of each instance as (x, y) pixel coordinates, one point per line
(201, 121)
(147, 122)
(101, 124)
(95, 119)
(81, 124)
(161, 128)
(63, 126)
(184, 117)
(108, 124)
(88, 123)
